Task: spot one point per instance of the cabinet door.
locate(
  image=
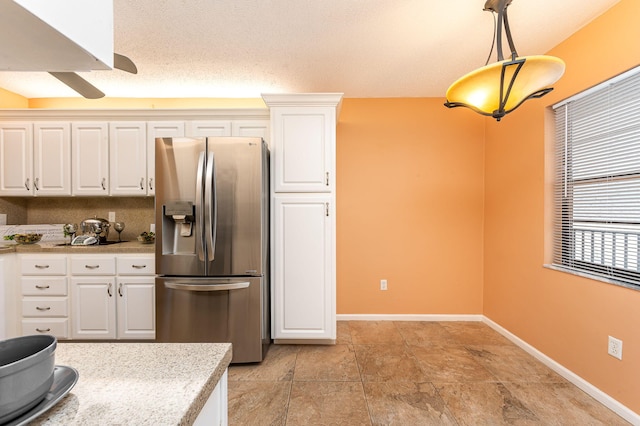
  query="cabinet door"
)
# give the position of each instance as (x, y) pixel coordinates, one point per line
(208, 128)
(159, 129)
(303, 149)
(304, 272)
(251, 128)
(93, 308)
(90, 158)
(52, 159)
(16, 159)
(136, 307)
(128, 158)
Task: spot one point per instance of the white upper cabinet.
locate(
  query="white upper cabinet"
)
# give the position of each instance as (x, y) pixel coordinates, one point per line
(208, 128)
(103, 153)
(159, 129)
(304, 149)
(35, 159)
(252, 128)
(52, 158)
(16, 159)
(90, 158)
(127, 158)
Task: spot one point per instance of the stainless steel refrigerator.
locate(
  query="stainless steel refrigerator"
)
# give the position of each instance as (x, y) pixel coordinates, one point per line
(212, 243)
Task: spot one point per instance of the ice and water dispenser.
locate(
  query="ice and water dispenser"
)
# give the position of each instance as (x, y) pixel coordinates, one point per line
(178, 221)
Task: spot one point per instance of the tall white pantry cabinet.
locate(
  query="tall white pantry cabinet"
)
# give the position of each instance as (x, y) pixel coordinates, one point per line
(303, 152)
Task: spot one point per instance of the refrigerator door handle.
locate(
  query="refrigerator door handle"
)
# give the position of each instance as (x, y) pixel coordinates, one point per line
(211, 207)
(199, 211)
(206, 287)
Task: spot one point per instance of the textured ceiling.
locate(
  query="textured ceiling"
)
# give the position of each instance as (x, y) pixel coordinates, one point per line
(364, 48)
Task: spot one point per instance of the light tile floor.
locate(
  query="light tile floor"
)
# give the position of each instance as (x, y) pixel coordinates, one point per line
(408, 373)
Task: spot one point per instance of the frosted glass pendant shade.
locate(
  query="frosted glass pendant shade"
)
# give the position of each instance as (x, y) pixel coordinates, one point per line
(521, 79)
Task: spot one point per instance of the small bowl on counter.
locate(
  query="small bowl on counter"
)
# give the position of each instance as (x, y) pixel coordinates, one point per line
(147, 237)
(24, 238)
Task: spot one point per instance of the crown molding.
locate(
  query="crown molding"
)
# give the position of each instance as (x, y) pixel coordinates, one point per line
(135, 114)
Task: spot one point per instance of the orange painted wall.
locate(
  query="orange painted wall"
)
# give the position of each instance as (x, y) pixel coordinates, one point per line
(158, 103)
(11, 100)
(409, 207)
(565, 316)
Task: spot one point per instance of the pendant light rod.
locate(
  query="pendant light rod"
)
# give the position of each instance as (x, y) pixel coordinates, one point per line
(500, 7)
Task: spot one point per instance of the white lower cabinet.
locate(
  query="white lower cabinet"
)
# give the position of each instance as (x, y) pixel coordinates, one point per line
(93, 308)
(44, 295)
(136, 308)
(304, 295)
(89, 296)
(116, 306)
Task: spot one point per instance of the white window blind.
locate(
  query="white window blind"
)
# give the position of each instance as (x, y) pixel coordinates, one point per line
(597, 193)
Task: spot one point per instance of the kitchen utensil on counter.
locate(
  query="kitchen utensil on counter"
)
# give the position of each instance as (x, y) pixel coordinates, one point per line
(119, 227)
(96, 226)
(70, 229)
(26, 373)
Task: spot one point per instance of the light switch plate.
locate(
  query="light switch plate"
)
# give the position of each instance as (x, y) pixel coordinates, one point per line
(3, 219)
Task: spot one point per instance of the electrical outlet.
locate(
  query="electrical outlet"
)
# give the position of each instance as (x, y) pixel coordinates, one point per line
(615, 347)
(112, 216)
(383, 284)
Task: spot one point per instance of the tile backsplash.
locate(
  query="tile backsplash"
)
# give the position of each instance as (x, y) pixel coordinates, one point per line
(136, 212)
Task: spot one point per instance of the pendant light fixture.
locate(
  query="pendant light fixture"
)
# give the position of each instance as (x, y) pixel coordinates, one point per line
(498, 88)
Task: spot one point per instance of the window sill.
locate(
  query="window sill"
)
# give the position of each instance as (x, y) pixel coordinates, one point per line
(592, 276)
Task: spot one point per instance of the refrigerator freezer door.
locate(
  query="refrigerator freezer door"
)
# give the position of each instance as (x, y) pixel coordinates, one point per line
(191, 310)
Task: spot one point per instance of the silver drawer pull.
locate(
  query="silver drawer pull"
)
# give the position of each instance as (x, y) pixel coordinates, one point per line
(43, 330)
(46, 308)
(139, 266)
(92, 266)
(42, 287)
(42, 266)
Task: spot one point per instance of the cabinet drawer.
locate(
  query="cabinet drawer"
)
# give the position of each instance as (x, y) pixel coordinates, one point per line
(58, 327)
(136, 265)
(45, 286)
(43, 265)
(45, 307)
(93, 266)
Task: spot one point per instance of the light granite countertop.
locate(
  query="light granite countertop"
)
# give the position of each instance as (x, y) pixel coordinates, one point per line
(123, 247)
(137, 383)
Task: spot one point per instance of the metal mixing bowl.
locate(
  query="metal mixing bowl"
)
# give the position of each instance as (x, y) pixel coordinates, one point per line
(26, 373)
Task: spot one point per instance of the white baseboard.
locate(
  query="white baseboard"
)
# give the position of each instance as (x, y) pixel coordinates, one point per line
(407, 317)
(606, 400)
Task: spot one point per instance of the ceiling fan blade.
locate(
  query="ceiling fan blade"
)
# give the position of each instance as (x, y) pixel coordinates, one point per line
(123, 63)
(78, 84)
